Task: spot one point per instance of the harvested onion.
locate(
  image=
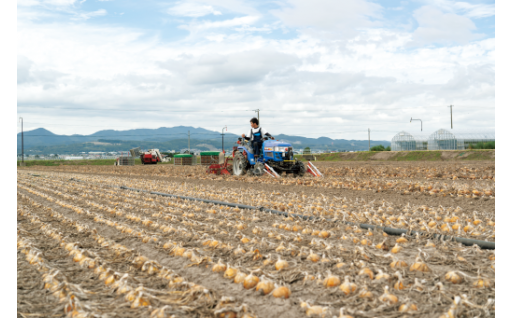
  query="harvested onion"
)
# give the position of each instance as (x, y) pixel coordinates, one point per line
(251, 281)
(331, 281)
(219, 267)
(348, 287)
(453, 277)
(265, 286)
(281, 292)
(387, 297)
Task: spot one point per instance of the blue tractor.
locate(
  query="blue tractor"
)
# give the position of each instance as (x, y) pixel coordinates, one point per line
(275, 154)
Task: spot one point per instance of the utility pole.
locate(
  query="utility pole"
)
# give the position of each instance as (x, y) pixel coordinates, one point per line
(22, 146)
(368, 139)
(420, 121)
(225, 127)
(189, 141)
(258, 111)
(451, 115)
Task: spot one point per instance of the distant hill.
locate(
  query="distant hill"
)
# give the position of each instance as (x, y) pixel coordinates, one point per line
(42, 141)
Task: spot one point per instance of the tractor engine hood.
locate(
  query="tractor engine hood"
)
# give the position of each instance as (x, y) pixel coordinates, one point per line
(269, 145)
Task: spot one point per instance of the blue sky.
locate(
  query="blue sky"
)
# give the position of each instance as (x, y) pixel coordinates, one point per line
(315, 68)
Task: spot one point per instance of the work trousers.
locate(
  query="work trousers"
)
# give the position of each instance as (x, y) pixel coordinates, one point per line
(256, 147)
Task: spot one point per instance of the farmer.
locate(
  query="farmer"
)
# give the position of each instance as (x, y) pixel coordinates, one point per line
(256, 136)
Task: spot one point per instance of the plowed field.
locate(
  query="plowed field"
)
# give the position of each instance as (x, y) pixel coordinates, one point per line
(87, 248)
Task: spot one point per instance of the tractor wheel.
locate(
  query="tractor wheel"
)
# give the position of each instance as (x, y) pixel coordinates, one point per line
(239, 164)
(300, 169)
(258, 169)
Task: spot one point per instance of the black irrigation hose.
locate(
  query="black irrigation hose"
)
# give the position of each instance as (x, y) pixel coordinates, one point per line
(388, 230)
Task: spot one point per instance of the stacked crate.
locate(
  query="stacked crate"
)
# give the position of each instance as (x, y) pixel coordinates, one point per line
(184, 160)
(126, 161)
(209, 158)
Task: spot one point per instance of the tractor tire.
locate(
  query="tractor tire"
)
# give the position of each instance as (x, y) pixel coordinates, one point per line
(300, 169)
(240, 164)
(258, 169)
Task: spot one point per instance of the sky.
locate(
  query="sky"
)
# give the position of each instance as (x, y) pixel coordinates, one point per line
(313, 68)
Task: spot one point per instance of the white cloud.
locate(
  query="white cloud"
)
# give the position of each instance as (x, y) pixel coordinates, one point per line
(235, 6)
(470, 10)
(305, 85)
(475, 10)
(342, 17)
(207, 25)
(231, 69)
(88, 15)
(57, 3)
(436, 26)
(194, 10)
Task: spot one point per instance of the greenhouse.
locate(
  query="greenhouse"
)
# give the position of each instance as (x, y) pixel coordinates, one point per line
(404, 141)
(444, 139)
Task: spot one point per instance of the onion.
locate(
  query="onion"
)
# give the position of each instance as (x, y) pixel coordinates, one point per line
(281, 292)
(251, 281)
(281, 264)
(382, 246)
(313, 257)
(365, 293)
(324, 234)
(381, 275)
(366, 271)
(230, 272)
(387, 297)
(397, 248)
(430, 244)
(398, 264)
(402, 240)
(178, 251)
(347, 287)
(316, 311)
(240, 277)
(140, 301)
(399, 285)
(308, 276)
(453, 277)
(482, 282)
(407, 307)
(265, 286)
(219, 267)
(239, 250)
(331, 281)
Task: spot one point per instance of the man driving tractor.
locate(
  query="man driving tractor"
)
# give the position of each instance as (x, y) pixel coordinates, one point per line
(256, 136)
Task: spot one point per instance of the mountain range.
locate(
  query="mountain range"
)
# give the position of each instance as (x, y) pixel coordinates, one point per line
(42, 141)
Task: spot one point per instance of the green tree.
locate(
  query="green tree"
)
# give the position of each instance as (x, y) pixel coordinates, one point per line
(378, 148)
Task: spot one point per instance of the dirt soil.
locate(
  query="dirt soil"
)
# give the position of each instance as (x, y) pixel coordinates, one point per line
(107, 211)
(485, 205)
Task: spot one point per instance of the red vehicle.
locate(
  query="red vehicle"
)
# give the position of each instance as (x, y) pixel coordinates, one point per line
(152, 156)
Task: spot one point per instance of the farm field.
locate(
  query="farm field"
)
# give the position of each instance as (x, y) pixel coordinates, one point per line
(408, 156)
(87, 248)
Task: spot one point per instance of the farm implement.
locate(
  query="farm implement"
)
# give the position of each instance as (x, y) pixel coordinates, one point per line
(277, 158)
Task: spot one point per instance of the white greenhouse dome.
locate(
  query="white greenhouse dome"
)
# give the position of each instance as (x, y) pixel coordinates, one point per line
(404, 141)
(444, 139)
